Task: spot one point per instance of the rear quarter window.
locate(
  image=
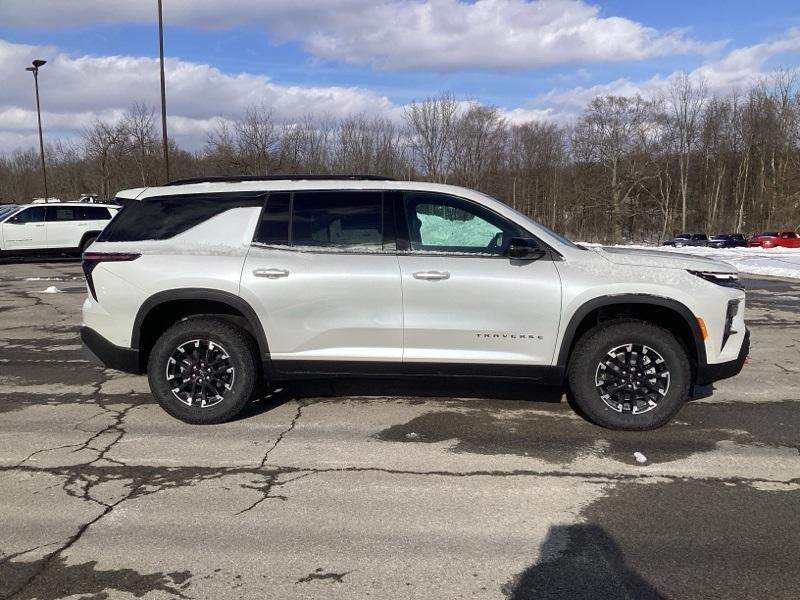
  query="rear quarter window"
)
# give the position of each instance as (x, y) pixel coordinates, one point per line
(164, 217)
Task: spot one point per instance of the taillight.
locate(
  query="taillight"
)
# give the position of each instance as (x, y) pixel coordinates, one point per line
(92, 259)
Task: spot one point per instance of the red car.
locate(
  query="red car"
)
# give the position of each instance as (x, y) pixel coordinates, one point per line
(773, 239)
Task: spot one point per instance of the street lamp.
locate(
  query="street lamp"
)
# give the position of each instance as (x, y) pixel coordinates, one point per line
(35, 70)
(164, 141)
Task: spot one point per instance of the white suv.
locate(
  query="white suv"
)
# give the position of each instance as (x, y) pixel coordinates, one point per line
(48, 228)
(214, 286)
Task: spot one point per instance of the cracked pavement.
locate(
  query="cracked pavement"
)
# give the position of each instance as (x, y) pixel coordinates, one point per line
(386, 489)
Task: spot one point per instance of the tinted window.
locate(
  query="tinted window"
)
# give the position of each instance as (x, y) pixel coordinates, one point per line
(93, 213)
(445, 223)
(699, 236)
(31, 215)
(789, 234)
(163, 217)
(61, 213)
(342, 219)
(274, 226)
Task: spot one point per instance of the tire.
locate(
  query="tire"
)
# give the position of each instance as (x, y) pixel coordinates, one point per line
(590, 382)
(87, 242)
(221, 343)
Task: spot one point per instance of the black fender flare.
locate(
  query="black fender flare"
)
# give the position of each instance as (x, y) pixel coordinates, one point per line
(87, 235)
(681, 309)
(189, 294)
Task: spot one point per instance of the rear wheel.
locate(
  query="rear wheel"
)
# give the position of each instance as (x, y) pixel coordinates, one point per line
(629, 374)
(203, 370)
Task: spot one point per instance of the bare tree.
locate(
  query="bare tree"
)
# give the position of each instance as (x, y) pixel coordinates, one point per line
(141, 140)
(686, 98)
(618, 133)
(103, 143)
(477, 144)
(432, 123)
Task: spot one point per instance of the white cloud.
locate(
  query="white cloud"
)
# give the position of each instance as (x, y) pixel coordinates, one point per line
(400, 34)
(739, 68)
(77, 90)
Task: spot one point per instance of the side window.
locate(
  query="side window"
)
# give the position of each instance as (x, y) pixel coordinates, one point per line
(93, 213)
(61, 213)
(337, 219)
(31, 215)
(274, 226)
(163, 217)
(440, 223)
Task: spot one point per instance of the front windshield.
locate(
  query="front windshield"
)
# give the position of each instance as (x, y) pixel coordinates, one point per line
(547, 230)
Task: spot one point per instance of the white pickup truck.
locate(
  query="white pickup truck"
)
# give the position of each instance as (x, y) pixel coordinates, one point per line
(52, 228)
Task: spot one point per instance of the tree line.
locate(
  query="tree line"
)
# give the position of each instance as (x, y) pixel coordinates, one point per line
(627, 169)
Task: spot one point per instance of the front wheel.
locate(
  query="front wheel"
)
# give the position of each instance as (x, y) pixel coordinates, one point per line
(203, 370)
(629, 374)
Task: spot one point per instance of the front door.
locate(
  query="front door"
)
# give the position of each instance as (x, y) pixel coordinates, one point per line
(324, 279)
(464, 301)
(26, 230)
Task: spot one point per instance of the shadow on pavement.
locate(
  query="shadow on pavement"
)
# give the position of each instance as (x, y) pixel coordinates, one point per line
(580, 561)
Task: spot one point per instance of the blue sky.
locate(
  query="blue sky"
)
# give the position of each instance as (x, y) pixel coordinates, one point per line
(326, 44)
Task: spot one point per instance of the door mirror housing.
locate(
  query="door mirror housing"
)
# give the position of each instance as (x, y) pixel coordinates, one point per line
(525, 249)
(14, 220)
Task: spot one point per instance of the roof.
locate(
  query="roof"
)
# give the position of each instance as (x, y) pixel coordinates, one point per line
(60, 204)
(264, 184)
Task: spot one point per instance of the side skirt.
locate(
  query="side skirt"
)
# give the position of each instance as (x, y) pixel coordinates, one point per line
(310, 369)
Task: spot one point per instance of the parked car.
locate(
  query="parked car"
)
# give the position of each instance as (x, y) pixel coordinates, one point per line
(727, 240)
(214, 286)
(682, 239)
(773, 239)
(52, 228)
(688, 239)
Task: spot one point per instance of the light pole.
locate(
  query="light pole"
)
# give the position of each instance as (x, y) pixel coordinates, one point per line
(164, 141)
(35, 70)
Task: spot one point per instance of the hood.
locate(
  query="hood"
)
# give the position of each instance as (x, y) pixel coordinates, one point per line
(663, 259)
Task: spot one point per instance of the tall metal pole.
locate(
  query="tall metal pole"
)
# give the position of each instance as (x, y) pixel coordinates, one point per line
(41, 139)
(164, 140)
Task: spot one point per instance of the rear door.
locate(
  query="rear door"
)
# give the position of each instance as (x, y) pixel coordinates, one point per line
(324, 279)
(464, 301)
(26, 230)
(63, 227)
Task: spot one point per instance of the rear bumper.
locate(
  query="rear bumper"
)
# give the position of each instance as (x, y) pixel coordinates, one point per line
(707, 374)
(110, 355)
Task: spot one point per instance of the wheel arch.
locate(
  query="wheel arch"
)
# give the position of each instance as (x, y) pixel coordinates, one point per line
(163, 309)
(88, 235)
(665, 312)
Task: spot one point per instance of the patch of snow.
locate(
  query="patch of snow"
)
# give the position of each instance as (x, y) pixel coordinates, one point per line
(640, 458)
(51, 290)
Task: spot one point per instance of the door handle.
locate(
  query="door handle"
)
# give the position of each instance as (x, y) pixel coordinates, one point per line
(431, 275)
(271, 273)
(42, 225)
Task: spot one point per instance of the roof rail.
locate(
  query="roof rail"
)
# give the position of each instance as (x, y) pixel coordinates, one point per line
(238, 178)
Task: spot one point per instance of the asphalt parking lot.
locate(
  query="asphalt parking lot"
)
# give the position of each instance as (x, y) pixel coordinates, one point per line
(383, 489)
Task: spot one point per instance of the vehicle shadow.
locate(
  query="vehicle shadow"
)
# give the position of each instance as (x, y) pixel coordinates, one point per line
(416, 387)
(580, 561)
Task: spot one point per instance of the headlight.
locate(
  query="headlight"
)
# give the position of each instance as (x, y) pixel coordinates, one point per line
(724, 279)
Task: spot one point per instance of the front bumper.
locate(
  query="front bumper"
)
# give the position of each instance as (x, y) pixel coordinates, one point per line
(110, 355)
(710, 373)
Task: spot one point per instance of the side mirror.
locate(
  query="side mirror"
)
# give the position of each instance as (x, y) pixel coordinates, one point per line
(524, 249)
(14, 220)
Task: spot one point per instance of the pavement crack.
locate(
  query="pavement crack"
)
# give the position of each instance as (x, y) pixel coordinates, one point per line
(300, 406)
(271, 481)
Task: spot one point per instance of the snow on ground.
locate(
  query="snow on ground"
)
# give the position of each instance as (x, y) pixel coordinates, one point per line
(776, 262)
